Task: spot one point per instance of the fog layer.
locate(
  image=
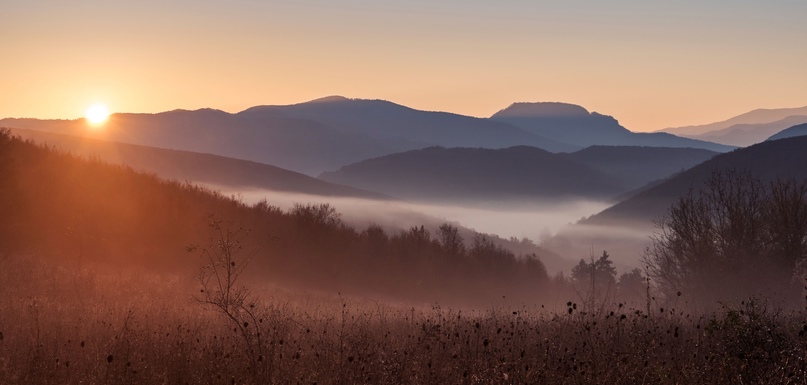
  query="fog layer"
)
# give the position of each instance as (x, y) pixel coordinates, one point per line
(529, 220)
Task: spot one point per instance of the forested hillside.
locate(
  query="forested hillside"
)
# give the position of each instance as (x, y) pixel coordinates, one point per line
(81, 211)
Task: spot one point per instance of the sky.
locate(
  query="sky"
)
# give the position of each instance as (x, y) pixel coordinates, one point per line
(650, 64)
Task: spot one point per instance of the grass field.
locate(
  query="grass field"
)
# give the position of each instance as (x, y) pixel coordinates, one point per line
(97, 326)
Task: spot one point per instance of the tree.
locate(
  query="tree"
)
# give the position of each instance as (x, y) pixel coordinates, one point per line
(632, 286)
(315, 215)
(451, 240)
(595, 280)
(786, 217)
(736, 238)
(224, 263)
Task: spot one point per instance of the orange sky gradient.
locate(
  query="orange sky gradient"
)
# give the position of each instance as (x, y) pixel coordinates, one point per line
(650, 66)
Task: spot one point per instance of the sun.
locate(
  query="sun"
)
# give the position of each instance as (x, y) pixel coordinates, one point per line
(97, 114)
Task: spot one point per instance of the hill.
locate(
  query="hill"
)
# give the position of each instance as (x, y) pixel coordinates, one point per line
(758, 116)
(625, 228)
(196, 167)
(62, 209)
(798, 130)
(635, 166)
(768, 161)
(473, 174)
(573, 124)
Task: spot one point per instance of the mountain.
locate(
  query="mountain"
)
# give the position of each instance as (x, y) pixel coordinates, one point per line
(758, 116)
(308, 137)
(573, 124)
(798, 130)
(440, 174)
(634, 166)
(747, 134)
(295, 144)
(328, 133)
(389, 121)
(195, 167)
(768, 161)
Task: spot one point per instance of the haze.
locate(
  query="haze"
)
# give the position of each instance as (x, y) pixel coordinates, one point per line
(652, 65)
(532, 221)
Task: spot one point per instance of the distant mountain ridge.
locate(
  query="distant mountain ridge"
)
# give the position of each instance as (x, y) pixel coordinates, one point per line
(635, 166)
(194, 167)
(294, 144)
(387, 120)
(573, 124)
(518, 173)
(747, 134)
(331, 132)
(457, 174)
(768, 161)
(758, 116)
(797, 130)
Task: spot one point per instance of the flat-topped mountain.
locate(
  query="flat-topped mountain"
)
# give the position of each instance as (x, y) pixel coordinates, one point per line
(543, 109)
(386, 120)
(573, 124)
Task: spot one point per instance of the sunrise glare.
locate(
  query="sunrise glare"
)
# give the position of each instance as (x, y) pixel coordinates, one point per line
(97, 114)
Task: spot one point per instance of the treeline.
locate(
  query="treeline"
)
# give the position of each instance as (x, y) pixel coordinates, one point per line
(83, 211)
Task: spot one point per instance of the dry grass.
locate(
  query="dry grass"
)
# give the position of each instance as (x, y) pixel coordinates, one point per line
(99, 327)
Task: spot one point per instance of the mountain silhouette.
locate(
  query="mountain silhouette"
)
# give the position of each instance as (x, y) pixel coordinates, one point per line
(328, 133)
(573, 124)
(743, 135)
(797, 130)
(634, 166)
(440, 174)
(389, 121)
(758, 116)
(768, 161)
(295, 144)
(221, 172)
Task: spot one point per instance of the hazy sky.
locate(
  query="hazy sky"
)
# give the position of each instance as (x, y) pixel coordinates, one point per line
(650, 64)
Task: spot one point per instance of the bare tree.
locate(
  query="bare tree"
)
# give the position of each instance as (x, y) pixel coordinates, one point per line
(736, 238)
(224, 263)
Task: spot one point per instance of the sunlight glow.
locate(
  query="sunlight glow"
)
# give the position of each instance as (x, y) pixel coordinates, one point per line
(97, 114)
